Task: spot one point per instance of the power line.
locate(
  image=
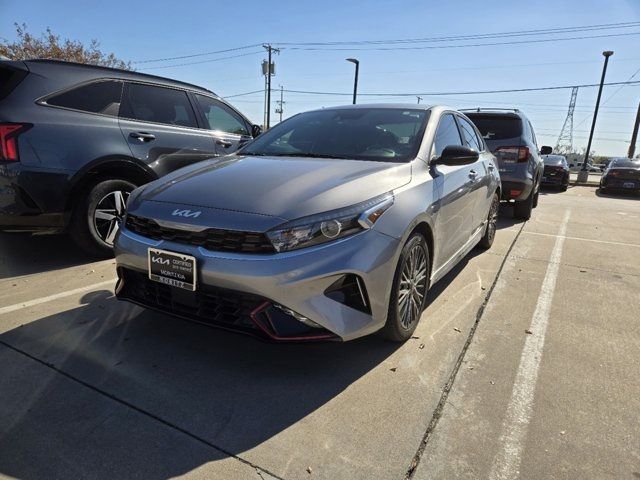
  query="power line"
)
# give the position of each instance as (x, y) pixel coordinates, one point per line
(197, 54)
(559, 30)
(493, 44)
(245, 93)
(519, 33)
(477, 92)
(202, 61)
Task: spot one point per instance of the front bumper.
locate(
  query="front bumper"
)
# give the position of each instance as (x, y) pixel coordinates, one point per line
(296, 280)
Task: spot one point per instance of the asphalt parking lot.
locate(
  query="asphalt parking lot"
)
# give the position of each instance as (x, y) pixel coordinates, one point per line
(525, 364)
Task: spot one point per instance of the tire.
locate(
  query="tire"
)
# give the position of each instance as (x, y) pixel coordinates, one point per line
(523, 208)
(490, 232)
(402, 322)
(564, 188)
(535, 199)
(95, 220)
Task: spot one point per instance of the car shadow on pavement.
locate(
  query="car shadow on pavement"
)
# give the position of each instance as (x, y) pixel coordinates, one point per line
(127, 369)
(230, 390)
(618, 194)
(24, 254)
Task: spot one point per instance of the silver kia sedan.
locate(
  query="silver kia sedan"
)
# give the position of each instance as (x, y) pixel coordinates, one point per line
(331, 225)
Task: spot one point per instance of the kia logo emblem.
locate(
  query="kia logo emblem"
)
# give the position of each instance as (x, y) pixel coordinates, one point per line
(186, 213)
(160, 260)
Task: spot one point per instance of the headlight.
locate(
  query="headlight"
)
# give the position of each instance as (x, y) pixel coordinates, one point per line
(324, 227)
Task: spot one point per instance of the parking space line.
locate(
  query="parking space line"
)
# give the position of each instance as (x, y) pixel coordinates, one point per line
(68, 293)
(514, 428)
(585, 239)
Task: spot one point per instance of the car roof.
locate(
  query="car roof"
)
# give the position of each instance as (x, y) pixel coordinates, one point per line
(115, 73)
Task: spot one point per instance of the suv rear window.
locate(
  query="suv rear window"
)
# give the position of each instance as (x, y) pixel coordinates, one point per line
(158, 104)
(9, 79)
(496, 127)
(99, 97)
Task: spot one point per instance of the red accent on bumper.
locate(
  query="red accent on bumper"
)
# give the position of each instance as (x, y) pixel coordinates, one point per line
(271, 333)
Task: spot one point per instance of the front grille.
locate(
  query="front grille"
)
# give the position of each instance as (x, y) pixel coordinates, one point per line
(212, 238)
(214, 306)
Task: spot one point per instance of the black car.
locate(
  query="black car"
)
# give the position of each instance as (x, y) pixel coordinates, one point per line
(76, 139)
(556, 171)
(510, 137)
(621, 174)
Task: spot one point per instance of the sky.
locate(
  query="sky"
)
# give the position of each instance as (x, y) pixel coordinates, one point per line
(162, 29)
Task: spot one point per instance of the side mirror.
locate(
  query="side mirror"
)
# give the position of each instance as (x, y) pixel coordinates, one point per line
(256, 130)
(456, 155)
(546, 150)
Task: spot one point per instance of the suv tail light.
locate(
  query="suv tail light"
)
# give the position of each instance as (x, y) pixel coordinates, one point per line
(9, 133)
(512, 154)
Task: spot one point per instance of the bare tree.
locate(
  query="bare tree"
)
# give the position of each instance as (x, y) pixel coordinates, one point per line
(50, 45)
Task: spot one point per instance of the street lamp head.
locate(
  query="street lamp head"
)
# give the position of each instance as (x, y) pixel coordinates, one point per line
(607, 53)
(353, 60)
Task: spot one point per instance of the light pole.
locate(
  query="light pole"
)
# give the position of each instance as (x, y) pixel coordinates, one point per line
(583, 174)
(355, 83)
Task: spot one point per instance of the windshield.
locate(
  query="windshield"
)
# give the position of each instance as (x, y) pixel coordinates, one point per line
(625, 163)
(554, 160)
(382, 134)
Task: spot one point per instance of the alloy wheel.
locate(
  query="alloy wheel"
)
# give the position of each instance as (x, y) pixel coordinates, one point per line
(413, 287)
(108, 214)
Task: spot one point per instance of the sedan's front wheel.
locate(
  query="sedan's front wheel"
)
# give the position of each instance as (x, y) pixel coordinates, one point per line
(492, 220)
(409, 290)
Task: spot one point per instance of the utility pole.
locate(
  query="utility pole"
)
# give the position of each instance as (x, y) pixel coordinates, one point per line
(634, 135)
(583, 174)
(268, 72)
(419, 98)
(280, 103)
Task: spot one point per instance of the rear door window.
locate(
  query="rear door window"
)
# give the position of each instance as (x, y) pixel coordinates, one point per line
(149, 103)
(220, 117)
(469, 135)
(447, 134)
(495, 127)
(98, 97)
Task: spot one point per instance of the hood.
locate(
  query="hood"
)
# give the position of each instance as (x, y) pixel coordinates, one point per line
(285, 187)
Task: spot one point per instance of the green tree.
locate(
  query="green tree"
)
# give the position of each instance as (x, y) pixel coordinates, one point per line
(51, 46)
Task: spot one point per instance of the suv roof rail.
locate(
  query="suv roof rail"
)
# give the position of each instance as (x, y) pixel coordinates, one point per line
(481, 109)
(119, 70)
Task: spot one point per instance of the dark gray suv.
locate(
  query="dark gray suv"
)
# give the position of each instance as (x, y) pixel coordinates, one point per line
(510, 136)
(77, 139)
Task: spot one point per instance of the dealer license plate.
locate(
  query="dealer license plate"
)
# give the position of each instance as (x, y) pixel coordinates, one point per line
(171, 268)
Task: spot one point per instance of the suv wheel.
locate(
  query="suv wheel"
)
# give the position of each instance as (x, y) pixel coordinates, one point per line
(408, 291)
(523, 208)
(96, 220)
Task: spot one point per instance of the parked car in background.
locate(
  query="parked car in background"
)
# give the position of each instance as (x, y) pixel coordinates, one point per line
(77, 139)
(556, 171)
(510, 136)
(331, 225)
(621, 174)
(591, 168)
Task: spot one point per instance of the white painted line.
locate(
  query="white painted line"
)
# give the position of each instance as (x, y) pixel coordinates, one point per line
(506, 463)
(584, 239)
(68, 293)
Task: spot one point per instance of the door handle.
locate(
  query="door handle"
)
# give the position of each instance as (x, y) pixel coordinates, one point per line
(491, 167)
(224, 143)
(143, 136)
(473, 174)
